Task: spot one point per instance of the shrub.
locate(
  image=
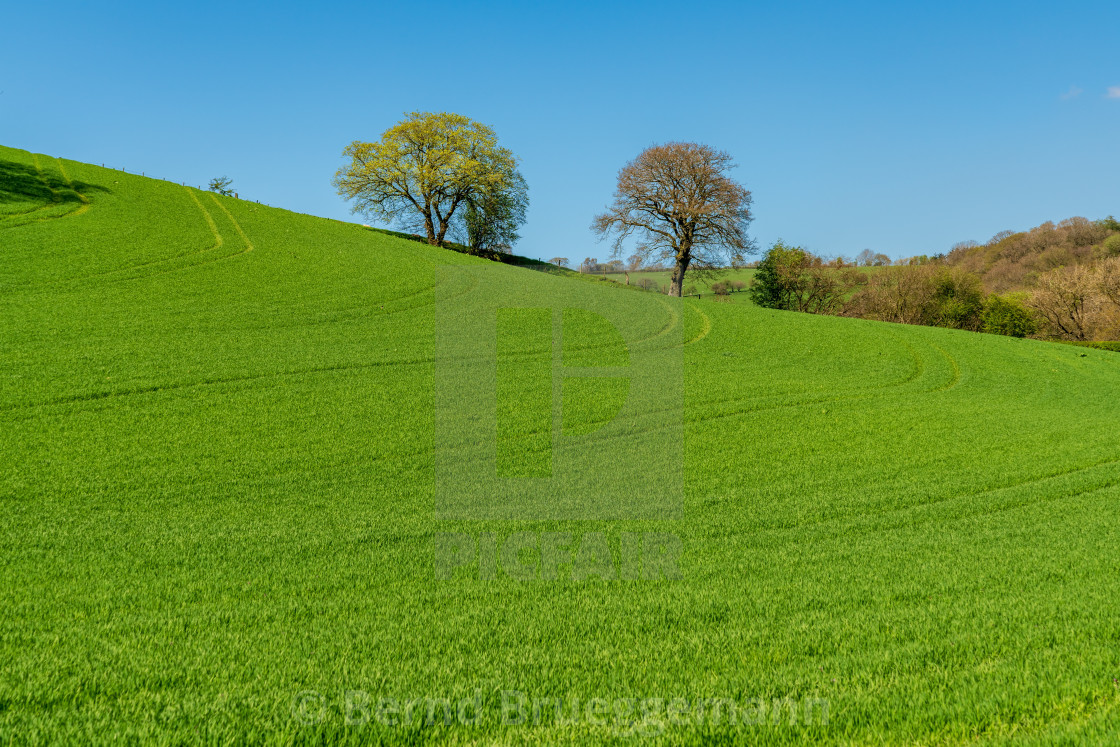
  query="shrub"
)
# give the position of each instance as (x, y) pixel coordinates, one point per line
(1110, 247)
(1008, 315)
(933, 295)
(720, 289)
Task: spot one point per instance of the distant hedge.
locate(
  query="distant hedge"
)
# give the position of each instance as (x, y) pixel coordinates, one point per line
(1112, 345)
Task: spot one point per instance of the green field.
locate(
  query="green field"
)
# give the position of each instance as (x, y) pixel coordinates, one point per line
(702, 284)
(219, 474)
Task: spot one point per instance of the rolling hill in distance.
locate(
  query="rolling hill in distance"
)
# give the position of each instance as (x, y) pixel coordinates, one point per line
(219, 468)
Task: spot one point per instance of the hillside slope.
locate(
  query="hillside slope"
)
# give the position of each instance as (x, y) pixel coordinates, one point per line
(1013, 261)
(218, 471)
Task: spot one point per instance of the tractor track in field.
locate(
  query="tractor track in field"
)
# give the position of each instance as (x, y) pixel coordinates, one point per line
(367, 312)
(917, 372)
(107, 275)
(213, 381)
(854, 395)
(878, 520)
(70, 183)
(705, 325)
(953, 365)
(218, 381)
(219, 242)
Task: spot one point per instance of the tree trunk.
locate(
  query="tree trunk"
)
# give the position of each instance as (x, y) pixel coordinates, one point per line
(679, 270)
(430, 227)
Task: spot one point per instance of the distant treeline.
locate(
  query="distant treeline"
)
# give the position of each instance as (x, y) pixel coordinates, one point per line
(1055, 282)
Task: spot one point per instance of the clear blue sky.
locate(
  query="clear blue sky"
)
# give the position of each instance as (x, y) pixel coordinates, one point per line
(899, 127)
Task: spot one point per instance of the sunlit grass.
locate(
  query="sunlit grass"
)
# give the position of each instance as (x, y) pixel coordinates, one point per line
(217, 470)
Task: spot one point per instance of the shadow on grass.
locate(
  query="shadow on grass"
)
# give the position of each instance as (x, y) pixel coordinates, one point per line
(22, 183)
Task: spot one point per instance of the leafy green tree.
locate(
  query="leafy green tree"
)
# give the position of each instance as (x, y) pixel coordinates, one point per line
(492, 217)
(223, 185)
(792, 278)
(775, 281)
(424, 169)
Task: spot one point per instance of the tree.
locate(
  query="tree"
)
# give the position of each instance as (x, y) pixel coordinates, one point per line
(771, 287)
(559, 261)
(491, 217)
(679, 202)
(223, 185)
(1067, 301)
(424, 169)
(792, 278)
(1108, 280)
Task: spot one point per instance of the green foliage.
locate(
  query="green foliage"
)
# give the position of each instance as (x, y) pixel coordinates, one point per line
(1008, 315)
(223, 185)
(958, 300)
(794, 279)
(1110, 247)
(1110, 224)
(777, 278)
(217, 466)
(491, 219)
(424, 169)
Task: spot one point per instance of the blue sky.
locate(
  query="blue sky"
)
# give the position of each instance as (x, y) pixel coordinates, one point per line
(899, 127)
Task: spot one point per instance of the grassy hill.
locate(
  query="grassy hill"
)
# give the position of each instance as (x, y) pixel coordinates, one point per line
(219, 469)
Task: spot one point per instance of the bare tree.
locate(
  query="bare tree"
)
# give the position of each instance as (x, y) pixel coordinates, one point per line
(1108, 285)
(1067, 299)
(1108, 279)
(679, 202)
(559, 261)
